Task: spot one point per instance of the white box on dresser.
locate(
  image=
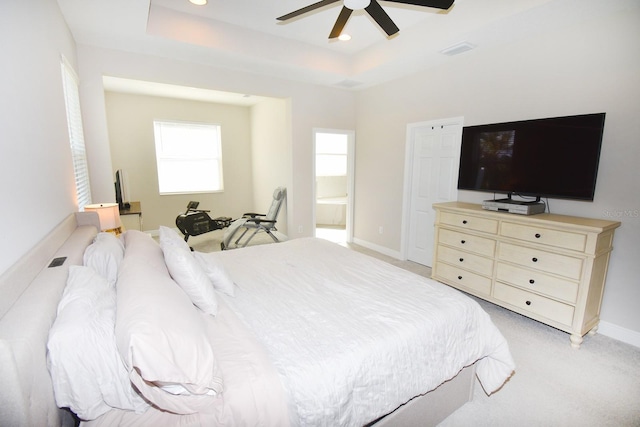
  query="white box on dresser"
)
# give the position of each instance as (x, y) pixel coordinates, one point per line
(551, 268)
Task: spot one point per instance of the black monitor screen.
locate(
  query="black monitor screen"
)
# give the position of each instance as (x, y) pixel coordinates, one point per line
(556, 157)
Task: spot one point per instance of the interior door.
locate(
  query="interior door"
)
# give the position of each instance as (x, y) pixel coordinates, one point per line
(433, 159)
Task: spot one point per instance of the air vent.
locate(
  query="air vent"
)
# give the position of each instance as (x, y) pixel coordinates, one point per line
(457, 48)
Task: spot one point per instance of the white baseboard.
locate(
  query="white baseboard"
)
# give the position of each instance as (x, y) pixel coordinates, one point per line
(619, 333)
(377, 248)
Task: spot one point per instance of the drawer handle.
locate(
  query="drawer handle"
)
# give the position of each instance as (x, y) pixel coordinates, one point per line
(461, 259)
(464, 221)
(538, 235)
(528, 302)
(459, 277)
(534, 259)
(463, 241)
(532, 281)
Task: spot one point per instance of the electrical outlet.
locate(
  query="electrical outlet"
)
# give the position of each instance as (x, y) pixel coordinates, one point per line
(300, 229)
(380, 230)
(56, 262)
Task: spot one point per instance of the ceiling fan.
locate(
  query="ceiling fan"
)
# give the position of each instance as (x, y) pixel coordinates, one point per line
(372, 7)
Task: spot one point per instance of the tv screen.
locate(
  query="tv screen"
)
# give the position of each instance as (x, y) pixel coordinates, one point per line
(555, 157)
(122, 189)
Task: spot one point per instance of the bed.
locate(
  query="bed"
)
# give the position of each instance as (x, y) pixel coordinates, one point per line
(300, 333)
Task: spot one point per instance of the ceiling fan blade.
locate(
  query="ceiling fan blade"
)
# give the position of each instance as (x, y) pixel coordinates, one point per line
(304, 10)
(438, 4)
(380, 16)
(345, 13)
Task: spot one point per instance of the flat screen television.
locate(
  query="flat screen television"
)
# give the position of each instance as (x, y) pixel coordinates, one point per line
(554, 157)
(122, 189)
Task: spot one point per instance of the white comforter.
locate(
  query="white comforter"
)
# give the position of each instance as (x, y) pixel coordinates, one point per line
(351, 337)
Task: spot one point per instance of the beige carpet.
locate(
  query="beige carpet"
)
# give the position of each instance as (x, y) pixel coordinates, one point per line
(554, 385)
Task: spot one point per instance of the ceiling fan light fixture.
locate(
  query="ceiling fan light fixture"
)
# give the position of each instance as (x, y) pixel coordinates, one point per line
(356, 4)
(344, 37)
(198, 2)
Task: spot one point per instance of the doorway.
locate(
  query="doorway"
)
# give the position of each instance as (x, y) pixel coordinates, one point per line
(333, 190)
(431, 176)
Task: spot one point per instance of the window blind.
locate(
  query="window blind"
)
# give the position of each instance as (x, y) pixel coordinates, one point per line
(76, 134)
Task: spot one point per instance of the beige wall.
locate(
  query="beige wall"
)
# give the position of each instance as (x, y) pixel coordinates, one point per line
(588, 67)
(307, 106)
(130, 124)
(271, 155)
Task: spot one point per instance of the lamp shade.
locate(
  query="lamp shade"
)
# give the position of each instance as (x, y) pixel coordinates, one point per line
(108, 213)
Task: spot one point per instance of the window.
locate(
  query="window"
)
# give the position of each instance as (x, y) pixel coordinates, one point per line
(189, 157)
(76, 135)
(331, 154)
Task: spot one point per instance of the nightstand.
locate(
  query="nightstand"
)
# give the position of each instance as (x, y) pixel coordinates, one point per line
(131, 217)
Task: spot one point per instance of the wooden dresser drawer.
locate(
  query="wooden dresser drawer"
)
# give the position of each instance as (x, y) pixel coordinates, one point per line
(538, 259)
(544, 236)
(466, 260)
(533, 303)
(552, 286)
(471, 243)
(470, 222)
(459, 277)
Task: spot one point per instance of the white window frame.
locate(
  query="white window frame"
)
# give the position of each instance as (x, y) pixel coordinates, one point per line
(76, 134)
(335, 157)
(200, 167)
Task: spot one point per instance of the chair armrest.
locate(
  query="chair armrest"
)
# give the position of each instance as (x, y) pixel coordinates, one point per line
(260, 220)
(252, 215)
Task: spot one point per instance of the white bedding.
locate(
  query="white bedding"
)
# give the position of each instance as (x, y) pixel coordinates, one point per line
(253, 395)
(353, 338)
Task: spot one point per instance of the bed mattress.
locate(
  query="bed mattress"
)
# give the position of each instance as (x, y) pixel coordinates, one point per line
(353, 338)
(319, 335)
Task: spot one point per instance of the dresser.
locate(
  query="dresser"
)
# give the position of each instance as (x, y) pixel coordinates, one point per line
(551, 268)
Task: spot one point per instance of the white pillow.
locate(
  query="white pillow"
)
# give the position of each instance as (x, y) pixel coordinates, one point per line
(216, 272)
(168, 236)
(104, 255)
(87, 372)
(161, 335)
(148, 251)
(191, 277)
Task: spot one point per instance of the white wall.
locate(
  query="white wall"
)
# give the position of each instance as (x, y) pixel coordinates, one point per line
(36, 174)
(589, 67)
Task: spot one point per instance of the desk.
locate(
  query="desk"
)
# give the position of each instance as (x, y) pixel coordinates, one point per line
(131, 218)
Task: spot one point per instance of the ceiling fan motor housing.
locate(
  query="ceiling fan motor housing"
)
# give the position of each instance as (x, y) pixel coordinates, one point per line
(356, 4)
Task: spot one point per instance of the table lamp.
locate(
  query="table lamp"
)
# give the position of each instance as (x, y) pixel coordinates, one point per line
(109, 215)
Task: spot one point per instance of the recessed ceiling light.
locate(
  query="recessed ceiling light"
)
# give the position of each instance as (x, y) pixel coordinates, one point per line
(344, 37)
(199, 2)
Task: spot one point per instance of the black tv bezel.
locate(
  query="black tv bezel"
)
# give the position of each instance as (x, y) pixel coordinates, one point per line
(538, 196)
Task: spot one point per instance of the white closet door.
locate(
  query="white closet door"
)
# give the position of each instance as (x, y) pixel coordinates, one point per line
(433, 160)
